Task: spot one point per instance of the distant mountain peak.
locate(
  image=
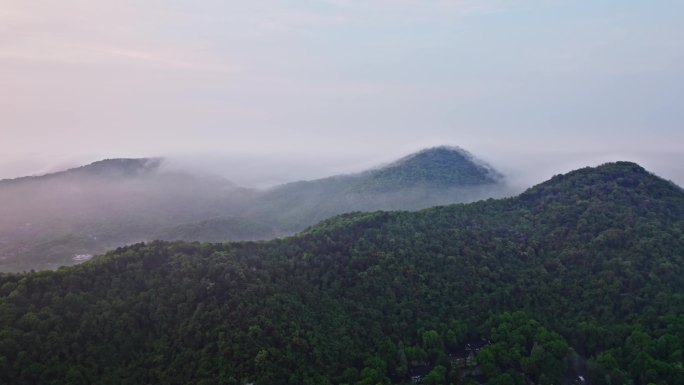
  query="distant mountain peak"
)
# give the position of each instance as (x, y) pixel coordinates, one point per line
(606, 172)
(428, 156)
(444, 149)
(120, 167)
(619, 177)
(117, 167)
(442, 166)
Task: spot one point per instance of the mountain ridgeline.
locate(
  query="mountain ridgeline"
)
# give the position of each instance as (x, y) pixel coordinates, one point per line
(580, 278)
(59, 218)
(108, 168)
(438, 167)
(46, 221)
(436, 176)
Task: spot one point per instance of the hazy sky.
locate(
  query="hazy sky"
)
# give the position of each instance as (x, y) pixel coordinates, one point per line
(335, 83)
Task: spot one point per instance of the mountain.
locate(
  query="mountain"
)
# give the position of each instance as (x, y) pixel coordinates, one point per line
(108, 168)
(435, 167)
(435, 176)
(65, 217)
(582, 275)
(56, 219)
(122, 167)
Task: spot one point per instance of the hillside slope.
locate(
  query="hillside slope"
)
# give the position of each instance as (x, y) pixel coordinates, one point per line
(594, 259)
(45, 221)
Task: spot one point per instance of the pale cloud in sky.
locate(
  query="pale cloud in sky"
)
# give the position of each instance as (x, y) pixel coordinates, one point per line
(356, 80)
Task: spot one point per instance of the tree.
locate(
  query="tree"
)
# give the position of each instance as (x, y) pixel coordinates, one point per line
(436, 377)
(74, 377)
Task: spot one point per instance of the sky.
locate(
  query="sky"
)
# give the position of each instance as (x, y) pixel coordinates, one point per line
(535, 87)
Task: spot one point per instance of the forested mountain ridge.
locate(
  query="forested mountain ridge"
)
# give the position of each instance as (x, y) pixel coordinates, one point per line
(439, 166)
(594, 258)
(59, 218)
(434, 176)
(107, 168)
(46, 221)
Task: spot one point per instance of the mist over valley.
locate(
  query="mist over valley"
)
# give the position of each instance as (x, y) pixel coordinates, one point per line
(61, 218)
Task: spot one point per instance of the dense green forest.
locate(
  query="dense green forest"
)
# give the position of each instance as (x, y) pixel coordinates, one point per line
(583, 274)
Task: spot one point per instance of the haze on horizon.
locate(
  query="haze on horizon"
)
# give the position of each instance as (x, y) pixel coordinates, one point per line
(314, 88)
